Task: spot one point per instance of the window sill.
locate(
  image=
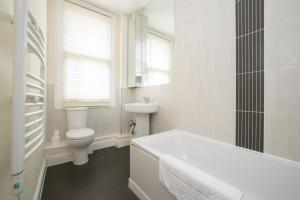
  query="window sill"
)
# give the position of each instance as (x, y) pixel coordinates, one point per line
(68, 104)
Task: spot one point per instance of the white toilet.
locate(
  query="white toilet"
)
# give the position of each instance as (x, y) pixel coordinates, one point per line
(78, 136)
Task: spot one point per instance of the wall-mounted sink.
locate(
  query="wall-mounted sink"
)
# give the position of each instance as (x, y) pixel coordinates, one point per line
(142, 112)
(142, 108)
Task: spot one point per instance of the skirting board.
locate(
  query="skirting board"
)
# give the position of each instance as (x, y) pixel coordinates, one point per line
(137, 190)
(62, 153)
(40, 182)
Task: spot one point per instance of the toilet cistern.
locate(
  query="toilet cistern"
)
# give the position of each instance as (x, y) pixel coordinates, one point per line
(79, 137)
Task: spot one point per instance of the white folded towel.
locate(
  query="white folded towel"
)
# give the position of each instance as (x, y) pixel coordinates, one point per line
(186, 182)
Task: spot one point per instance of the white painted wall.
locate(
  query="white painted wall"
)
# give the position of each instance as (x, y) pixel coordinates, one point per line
(6, 52)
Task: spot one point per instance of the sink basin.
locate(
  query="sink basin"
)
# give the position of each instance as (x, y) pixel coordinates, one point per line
(142, 108)
(142, 111)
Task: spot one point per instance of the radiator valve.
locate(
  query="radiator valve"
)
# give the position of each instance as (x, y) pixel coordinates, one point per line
(132, 125)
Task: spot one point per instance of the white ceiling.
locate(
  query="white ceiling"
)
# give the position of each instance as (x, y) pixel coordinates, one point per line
(160, 15)
(120, 6)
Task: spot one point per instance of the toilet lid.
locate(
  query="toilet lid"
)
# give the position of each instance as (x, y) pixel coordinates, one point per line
(80, 133)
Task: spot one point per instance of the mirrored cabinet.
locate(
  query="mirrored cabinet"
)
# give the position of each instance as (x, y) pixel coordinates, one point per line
(137, 50)
(151, 44)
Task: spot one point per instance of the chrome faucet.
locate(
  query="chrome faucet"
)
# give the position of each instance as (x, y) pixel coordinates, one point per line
(146, 99)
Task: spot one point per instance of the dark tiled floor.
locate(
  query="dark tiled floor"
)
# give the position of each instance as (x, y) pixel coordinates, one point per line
(104, 177)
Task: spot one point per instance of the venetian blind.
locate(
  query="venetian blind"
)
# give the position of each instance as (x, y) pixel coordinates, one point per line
(86, 55)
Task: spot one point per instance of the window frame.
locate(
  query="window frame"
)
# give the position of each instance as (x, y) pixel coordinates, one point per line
(170, 72)
(60, 102)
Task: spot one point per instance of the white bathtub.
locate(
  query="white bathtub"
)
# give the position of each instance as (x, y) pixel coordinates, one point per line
(260, 176)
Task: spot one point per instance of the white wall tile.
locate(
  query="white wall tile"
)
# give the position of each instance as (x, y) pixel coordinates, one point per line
(282, 45)
(205, 122)
(278, 11)
(272, 94)
(282, 135)
(224, 58)
(205, 10)
(224, 125)
(224, 92)
(223, 21)
(282, 75)
(276, 137)
(205, 93)
(294, 135)
(289, 90)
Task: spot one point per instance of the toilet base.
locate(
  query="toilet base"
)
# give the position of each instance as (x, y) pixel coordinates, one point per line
(80, 156)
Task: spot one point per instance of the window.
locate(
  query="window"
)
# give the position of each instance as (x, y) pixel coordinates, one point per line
(158, 59)
(86, 59)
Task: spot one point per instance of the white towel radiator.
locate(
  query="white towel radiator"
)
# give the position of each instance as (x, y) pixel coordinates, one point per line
(29, 92)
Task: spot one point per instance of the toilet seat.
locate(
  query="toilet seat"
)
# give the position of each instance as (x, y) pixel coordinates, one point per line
(78, 134)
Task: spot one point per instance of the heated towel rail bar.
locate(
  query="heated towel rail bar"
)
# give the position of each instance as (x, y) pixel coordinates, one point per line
(35, 88)
(29, 92)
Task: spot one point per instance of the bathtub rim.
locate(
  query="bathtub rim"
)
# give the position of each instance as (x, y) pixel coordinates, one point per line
(139, 143)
